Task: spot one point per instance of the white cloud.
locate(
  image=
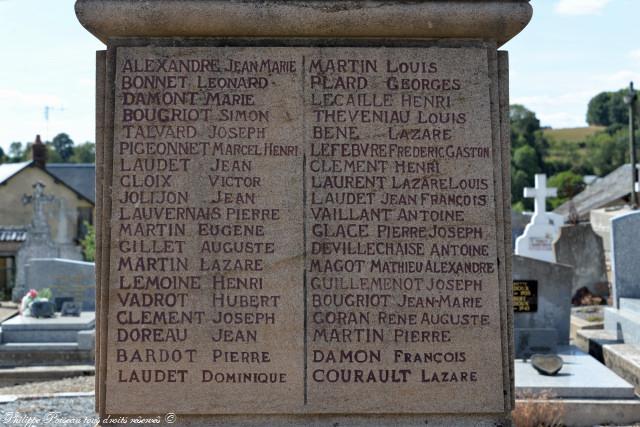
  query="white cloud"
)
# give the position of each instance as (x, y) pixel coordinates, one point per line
(559, 110)
(618, 80)
(580, 7)
(562, 119)
(546, 101)
(635, 55)
(26, 99)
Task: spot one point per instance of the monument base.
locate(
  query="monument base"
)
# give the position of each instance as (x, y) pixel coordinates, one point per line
(391, 420)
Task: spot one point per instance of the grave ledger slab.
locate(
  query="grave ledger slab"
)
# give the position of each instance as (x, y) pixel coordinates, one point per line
(320, 221)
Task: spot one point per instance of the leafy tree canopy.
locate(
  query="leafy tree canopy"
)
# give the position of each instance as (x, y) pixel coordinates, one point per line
(529, 148)
(63, 145)
(89, 243)
(608, 108)
(60, 150)
(84, 153)
(568, 184)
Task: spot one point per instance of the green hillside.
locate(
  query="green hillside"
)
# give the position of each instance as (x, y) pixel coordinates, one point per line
(572, 134)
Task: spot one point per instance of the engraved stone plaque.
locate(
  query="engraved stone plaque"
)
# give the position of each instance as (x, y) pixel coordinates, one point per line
(321, 226)
(525, 296)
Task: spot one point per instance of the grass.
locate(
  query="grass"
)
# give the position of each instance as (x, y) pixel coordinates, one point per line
(567, 145)
(575, 135)
(537, 410)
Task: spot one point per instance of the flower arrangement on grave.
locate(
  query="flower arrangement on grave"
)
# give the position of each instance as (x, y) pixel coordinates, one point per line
(43, 296)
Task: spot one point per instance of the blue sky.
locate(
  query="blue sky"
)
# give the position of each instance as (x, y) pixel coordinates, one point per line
(572, 50)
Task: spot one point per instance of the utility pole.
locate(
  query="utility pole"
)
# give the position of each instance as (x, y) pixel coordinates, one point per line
(630, 99)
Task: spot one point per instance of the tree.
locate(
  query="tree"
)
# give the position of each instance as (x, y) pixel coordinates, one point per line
(568, 184)
(608, 108)
(609, 150)
(524, 124)
(63, 145)
(3, 157)
(16, 152)
(529, 149)
(84, 153)
(89, 243)
(598, 109)
(52, 155)
(526, 159)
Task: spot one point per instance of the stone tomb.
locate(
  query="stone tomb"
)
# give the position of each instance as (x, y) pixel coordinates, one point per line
(580, 247)
(61, 340)
(66, 279)
(542, 330)
(326, 226)
(581, 377)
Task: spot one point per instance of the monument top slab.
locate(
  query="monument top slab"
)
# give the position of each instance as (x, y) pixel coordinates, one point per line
(495, 20)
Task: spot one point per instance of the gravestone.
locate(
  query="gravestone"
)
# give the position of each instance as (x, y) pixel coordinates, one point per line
(539, 235)
(600, 220)
(38, 243)
(67, 279)
(316, 219)
(625, 248)
(67, 218)
(544, 329)
(580, 247)
(623, 319)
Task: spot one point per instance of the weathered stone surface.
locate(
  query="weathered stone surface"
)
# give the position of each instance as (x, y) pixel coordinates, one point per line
(582, 377)
(380, 420)
(300, 116)
(39, 243)
(56, 330)
(485, 19)
(529, 341)
(505, 144)
(547, 364)
(624, 360)
(586, 318)
(600, 220)
(325, 281)
(554, 301)
(625, 248)
(101, 97)
(581, 248)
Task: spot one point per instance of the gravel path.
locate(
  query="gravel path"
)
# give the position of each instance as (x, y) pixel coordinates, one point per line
(54, 411)
(67, 385)
(58, 411)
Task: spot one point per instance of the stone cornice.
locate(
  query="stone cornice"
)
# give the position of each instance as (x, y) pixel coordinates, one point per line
(495, 20)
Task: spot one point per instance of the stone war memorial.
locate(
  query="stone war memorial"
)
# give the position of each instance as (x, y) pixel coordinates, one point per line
(304, 211)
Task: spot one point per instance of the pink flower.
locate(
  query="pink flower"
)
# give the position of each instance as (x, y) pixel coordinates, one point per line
(32, 293)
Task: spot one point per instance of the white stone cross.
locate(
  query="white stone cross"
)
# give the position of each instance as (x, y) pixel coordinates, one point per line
(540, 194)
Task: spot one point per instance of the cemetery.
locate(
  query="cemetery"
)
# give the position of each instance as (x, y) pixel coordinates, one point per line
(318, 212)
